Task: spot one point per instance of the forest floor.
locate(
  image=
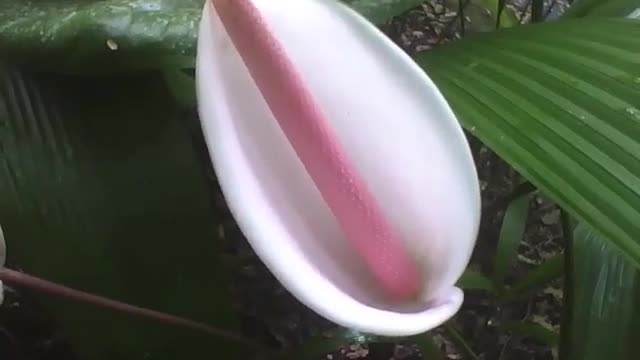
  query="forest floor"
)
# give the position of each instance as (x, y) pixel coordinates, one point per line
(27, 333)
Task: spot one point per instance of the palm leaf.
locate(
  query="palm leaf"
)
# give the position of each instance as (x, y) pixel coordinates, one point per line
(100, 191)
(600, 8)
(606, 290)
(100, 36)
(559, 102)
(77, 36)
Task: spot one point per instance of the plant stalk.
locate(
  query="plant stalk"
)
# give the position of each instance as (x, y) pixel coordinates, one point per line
(34, 283)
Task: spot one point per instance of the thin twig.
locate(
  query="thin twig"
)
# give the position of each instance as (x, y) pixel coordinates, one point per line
(461, 15)
(48, 287)
(450, 23)
(460, 341)
(503, 351)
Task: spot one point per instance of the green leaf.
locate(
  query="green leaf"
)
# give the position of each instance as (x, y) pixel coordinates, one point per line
(92, 36)
(600, 8)
(182, 86)
(474, 280)
(100, 36)
(501, 7)
(560, 102)
(380, 11)
(511, 233)
(604, 311)
(100, 191)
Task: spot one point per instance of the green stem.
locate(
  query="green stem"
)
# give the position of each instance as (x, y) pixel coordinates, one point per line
(461, 16)
(501, 5)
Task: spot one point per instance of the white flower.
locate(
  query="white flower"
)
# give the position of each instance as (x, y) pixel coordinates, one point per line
(340, 160)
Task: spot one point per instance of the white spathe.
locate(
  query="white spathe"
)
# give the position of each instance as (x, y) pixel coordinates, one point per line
(401, 135)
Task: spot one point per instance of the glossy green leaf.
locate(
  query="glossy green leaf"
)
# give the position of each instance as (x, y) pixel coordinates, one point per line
(100, 190)
(182, 86)
(511, 233)
(79, 35)
(604, 311)
(105, 36)
(603, 8)
(501, 5)
(474, 280)
(560, 102)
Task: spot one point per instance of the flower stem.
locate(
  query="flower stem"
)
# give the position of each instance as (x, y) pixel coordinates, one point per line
(34, 283)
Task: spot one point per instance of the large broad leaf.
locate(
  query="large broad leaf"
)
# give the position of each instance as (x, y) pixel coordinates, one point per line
(560, 102)
(511, 233)
(79, 35)
(113, 35)
(605, 320)
(100, 191)
(603, 8)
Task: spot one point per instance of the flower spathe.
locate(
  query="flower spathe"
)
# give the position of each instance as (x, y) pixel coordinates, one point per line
(311, 134)
(340, 160)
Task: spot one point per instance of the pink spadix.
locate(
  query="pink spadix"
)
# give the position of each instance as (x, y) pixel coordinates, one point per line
(314, 142)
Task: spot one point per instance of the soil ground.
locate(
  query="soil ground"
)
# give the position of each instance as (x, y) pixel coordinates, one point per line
(27, 333)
